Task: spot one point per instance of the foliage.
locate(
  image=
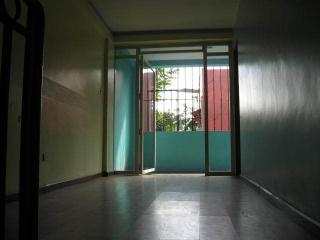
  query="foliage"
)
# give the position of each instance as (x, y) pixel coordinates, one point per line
(165, 121)
(164, 78)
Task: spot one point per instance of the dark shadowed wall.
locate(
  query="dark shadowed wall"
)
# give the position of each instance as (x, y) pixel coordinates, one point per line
(279, 81)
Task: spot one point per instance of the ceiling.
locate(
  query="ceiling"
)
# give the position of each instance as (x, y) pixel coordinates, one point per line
(157, 15)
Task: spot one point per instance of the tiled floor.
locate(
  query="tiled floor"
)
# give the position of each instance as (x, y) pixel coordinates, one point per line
(171, 207)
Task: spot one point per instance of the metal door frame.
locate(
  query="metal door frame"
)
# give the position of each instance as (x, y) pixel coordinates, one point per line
(234, 98)
(142, 63)
(235, 162)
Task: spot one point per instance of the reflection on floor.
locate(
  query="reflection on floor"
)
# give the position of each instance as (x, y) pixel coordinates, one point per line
(167, 207)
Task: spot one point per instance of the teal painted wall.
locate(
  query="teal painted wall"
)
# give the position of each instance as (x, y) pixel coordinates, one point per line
(184, 151)
(180, 151)
(220, 151)
(148, 150)
(125, 115)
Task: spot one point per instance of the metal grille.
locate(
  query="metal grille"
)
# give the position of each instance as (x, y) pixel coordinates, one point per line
(178, 103)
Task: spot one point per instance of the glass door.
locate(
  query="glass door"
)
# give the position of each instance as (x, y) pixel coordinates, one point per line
(218, 111)
(148, 121)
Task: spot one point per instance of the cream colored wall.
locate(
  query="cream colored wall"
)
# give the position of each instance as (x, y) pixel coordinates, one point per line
(109, 109)
(73, 92)
(76, 88)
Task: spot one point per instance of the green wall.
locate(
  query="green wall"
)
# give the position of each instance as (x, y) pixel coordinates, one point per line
(125, 115)
(184, 151)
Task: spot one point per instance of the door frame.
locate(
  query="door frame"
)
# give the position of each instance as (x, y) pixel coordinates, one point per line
(142, 63)
(234, 100)
(234, 111)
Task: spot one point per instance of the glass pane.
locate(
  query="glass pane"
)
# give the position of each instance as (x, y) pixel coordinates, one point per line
(148, 117)
(218, 49)
(219, 114)
(161, 49)
(125, 51)
(125, 115)
(179, 136)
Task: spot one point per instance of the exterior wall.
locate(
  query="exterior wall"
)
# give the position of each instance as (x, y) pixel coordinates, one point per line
(279, 58)
(218, 100)
(184, 151)
(148, 97)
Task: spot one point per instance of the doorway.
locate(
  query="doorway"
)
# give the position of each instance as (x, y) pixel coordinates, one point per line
(184, 106)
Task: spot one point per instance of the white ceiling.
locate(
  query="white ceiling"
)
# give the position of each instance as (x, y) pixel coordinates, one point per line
(156, 15)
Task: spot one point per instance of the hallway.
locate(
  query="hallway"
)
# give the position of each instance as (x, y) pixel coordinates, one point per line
(163, 206)
(217, 101)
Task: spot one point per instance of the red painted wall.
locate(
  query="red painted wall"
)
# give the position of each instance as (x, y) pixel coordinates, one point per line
(148, 114)
(218, 100)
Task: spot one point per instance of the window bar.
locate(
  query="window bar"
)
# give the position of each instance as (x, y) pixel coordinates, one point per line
(185, 98)
(220, 102)
(178, 96)
(228, 89)
(163, 106)
(171, 100)
(199, 100)
(192, 100)
(214, 99)
(147, 103)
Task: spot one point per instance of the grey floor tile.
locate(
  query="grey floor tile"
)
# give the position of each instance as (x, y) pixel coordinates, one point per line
(217, 228)
(159, 207)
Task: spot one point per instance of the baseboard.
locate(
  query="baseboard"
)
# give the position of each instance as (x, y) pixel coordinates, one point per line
(108, 174)
(179, 172)
(126, 173)
(54, 186)
(58, 185)
(296, 215)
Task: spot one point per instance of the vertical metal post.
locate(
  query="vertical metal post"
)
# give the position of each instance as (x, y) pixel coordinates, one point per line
(104, 164)
(236, 111)
(192, 117)
(178, 102)
(228, 89)
(205, 87)
(214, 100)
(138, 132)
(220, 102)
(185, 98)
(199, 99)
(30, 124)
(233, 101)
(4, 101)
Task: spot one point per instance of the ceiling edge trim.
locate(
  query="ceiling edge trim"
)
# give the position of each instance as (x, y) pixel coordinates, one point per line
(95, 10)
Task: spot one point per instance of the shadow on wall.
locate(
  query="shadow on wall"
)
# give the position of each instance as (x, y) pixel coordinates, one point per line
(125, 115)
